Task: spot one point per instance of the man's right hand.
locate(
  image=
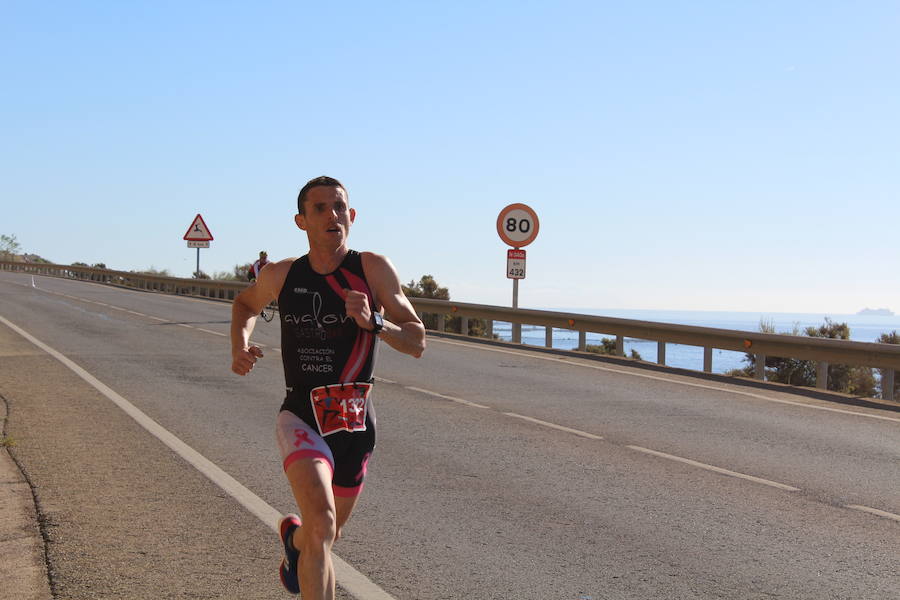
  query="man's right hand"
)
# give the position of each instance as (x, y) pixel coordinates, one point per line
(242, 361)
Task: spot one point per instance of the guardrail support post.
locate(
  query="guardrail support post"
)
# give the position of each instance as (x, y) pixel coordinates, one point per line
(440, 323)
(548, 336)
(887, 384)
(464, 325)
(660, 353)
(707, 359)
(489, 329)
(620, 345)
(517, 333)
(582, 340)
(760, 370)
(822, 375)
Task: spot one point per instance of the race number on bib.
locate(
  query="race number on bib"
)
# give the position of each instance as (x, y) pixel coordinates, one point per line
(340, 407)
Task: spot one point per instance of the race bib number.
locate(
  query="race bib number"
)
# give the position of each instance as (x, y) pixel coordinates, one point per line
(340, 407)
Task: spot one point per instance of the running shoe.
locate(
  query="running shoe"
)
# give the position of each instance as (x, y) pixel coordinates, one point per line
(288, 569)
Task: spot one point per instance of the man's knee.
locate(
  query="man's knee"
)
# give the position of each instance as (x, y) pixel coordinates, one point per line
(320, 527)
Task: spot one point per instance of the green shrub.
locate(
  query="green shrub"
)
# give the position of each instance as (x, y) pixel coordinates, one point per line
(608, 346)
(848, 379)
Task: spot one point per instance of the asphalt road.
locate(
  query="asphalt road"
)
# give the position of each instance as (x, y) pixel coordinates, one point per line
(500, 473)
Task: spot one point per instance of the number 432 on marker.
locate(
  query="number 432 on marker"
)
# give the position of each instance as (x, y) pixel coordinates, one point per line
(515, 264)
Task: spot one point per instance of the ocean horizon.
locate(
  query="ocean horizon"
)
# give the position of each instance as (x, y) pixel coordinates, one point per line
(863, 328)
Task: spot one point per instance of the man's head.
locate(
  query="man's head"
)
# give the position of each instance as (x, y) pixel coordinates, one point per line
(263, 254)
(325, 214)
(321, 181)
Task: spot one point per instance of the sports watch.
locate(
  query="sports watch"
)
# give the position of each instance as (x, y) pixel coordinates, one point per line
(377, 322)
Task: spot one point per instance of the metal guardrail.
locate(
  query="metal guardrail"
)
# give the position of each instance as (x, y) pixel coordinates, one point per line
(822, 350)
(206, 288)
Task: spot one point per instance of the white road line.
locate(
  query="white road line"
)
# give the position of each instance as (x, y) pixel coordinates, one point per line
(383, 380)
(874, 511)
(350, 579)
(701, 465)
(445, 397)
(577, 432)
(667, 380)
(212, 332)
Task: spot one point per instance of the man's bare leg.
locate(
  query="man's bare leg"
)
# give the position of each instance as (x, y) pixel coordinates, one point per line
(310, 481)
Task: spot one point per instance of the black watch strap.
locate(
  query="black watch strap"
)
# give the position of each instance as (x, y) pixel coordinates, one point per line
(377, 322)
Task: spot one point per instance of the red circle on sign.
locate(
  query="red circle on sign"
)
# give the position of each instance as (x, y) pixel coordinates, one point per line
(533, 225)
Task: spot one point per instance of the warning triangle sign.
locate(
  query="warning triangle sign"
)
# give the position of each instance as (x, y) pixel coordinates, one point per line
(198, 231)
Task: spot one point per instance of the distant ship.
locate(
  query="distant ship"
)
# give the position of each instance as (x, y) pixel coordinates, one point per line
(879, 312)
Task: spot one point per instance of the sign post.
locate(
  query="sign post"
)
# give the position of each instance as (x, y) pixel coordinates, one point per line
(517, 226)
(198, 236)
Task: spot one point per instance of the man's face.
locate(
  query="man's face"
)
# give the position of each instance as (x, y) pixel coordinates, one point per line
(326, 216)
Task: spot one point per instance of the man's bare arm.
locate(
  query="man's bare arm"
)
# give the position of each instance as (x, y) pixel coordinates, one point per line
(245, 309)
(403, 330)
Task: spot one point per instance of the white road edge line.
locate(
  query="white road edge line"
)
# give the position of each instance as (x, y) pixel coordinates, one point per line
(577, 432)
(669, 380)
(874, 511)
(701, 465)
(445, 397)
(354, 582)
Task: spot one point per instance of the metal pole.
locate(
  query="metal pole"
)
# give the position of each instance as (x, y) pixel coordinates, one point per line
(516, 327)
(197, 272)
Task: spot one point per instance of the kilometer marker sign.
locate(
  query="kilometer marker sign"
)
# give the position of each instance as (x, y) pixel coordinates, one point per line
(515, 264)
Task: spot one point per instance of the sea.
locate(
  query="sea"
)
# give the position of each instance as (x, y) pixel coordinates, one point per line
(863, 328)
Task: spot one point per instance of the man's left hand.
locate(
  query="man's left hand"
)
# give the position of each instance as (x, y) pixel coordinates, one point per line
(357, 307)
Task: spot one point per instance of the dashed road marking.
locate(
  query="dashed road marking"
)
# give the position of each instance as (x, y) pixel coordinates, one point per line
(211, 332)
(669, 380)
(694, 463)
(577, 432)
(446, 397)
(874, 511)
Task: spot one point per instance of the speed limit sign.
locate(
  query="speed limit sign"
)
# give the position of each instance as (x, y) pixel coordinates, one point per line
(517, 225)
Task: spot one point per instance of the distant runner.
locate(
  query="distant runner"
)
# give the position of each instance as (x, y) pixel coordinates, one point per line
(256, 267)
(330, 302)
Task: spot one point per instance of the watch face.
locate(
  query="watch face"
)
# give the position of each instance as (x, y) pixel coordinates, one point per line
(377, 321)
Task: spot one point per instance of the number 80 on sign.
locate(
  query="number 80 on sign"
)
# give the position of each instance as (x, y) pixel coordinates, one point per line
(517, 225)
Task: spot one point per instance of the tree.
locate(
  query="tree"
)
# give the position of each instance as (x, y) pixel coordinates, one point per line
(238, 274)
(427, 287)
(9, 247)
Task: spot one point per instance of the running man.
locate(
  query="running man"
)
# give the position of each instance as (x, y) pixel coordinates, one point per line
(331, 302)
(256, 267)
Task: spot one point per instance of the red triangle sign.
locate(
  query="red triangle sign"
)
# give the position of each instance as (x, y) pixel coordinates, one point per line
(198, 231)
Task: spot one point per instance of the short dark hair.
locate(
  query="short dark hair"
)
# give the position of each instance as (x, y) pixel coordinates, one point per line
(320, 181)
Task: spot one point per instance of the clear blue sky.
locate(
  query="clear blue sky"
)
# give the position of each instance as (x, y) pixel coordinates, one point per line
(680, 155)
